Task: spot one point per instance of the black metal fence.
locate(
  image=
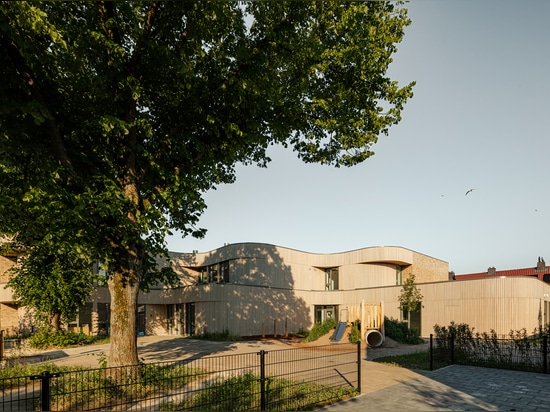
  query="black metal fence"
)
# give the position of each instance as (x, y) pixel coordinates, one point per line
(527, 354)
(287, 379)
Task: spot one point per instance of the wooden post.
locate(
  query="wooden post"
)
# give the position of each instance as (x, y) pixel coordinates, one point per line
(286, 328)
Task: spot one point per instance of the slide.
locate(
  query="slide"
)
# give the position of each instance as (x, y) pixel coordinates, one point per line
(339, 332)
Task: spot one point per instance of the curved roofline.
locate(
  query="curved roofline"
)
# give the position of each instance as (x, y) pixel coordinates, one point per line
(397, 255)
(358, 250)
(313, 253)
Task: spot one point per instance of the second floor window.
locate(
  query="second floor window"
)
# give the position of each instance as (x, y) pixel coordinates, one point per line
(331, 279)
(216, 273)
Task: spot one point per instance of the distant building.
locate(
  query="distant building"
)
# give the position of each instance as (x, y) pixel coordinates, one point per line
(540, 271)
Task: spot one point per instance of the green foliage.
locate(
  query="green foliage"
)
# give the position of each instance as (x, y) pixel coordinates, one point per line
(117, 117)
(417, 360)
(400, 332)
(61, 339)
(519, 350)
(242, 393)
(101, 388)
(16, 368)
(410, 297)
(355, 333)
(54, 281)
(320, 329)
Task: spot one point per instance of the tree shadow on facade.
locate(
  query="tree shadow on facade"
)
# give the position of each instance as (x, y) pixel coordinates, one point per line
(242, 289)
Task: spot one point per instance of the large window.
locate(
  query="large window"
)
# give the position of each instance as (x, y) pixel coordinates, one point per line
(216, 273)
(331, 279)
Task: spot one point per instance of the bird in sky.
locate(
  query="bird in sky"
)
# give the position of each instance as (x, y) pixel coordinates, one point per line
(471, 190)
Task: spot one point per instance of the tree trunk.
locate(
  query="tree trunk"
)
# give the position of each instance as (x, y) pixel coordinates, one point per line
(124, 288)
(55, 321)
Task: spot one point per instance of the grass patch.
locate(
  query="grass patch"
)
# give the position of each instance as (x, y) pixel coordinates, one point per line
(107, 389)
(15, 369)
(242, 393)
(417, 360)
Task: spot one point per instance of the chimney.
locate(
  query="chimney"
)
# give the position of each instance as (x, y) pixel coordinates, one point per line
(541, 265)
(452, 275)
(491, 271)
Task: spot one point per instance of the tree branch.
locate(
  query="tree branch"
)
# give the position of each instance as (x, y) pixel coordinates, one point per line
(27, 75)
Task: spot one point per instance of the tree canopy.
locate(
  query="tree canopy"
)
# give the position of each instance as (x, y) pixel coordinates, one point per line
(116, 117)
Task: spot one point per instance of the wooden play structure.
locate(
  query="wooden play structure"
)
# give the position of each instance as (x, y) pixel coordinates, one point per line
(370, 317)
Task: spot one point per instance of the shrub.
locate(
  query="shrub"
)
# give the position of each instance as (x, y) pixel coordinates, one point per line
(355, 334)
(400, 332)
(320, 329)
(61, 339)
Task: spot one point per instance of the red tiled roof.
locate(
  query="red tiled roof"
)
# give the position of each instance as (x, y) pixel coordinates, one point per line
(532, 271)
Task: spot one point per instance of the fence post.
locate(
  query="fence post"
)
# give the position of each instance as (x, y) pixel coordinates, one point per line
(431, 351)
(1, 345)
(262, 380)
(359, 366)
(45, 379)
(452, 348)
(545, 354)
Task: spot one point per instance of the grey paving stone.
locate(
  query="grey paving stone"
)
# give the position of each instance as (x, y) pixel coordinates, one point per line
(458, 388)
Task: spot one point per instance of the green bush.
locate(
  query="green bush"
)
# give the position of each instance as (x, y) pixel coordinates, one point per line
(61, 339)
(320, 329)
(355, 334)
(400, 332)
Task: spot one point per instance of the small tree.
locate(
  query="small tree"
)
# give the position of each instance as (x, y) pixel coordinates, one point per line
(54, 283)
(410, 296)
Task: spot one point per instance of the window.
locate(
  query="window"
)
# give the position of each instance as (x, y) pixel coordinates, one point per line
(224, 272)
(331, 279)
(324, 312)
(216, 273)
(398, 275)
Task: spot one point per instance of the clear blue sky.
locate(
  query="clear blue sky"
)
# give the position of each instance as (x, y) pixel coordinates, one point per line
(480, 118)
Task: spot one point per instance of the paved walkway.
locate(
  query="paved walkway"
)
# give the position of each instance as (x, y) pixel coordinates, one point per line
(454, 388)
(384, 387)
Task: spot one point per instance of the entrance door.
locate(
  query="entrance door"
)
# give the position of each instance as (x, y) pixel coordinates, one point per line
(415, 320)
(141, 327)
(190, 319)
(325, 312)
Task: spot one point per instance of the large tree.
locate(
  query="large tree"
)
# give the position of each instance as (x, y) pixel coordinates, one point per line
(116, 117)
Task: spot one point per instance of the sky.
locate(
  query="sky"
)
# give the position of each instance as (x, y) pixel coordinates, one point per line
(479, 119)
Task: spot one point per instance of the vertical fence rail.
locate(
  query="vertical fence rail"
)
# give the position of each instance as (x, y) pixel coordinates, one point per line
(431, 351)
(545, 354)
(262, 380)
(1, 345)
(452, 346)
(359, 366)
